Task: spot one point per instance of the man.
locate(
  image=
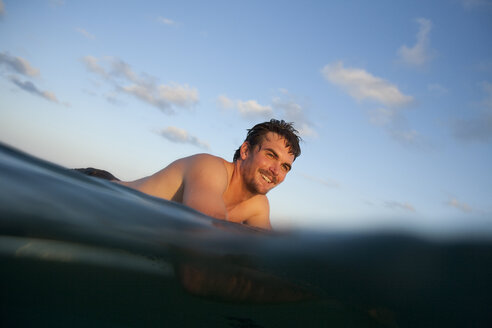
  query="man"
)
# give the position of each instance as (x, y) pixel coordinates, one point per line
(230, 191)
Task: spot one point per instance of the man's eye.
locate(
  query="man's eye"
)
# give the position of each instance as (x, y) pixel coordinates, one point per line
(286, 168)
(270, 155)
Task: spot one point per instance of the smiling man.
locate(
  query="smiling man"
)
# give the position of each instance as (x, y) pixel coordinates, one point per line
(232, 191)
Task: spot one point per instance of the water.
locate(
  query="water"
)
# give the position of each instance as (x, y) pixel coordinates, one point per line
(78, 251)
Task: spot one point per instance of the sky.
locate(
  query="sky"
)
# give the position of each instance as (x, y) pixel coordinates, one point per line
(393, 99)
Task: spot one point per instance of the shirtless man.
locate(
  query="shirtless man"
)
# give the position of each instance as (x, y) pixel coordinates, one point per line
(230, 191)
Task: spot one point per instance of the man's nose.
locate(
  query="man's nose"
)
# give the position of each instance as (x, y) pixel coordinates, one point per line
(274, 168)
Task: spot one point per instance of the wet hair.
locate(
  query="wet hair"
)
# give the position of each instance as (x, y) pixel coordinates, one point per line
(285, 130)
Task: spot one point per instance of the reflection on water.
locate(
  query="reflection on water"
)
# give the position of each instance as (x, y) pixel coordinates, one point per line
(77, 251)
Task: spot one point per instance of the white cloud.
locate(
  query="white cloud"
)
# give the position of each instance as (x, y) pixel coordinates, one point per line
(291, 111)
(86, 34)
(92, 64)
(362, 85)
(453, 202)
(142, 86)
(330, 183)
(251, 108)
(33, 89)
(147, 95)
(178, 135)
(179, 95)
(287, 109)
(167, 21)
(399, 205)
(18, 65)
(223, 102)
(420, 53)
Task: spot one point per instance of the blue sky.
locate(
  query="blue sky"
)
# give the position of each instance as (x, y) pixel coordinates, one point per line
(393, 98)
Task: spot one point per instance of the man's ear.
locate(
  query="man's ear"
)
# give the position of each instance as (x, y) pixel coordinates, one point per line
(244, 150)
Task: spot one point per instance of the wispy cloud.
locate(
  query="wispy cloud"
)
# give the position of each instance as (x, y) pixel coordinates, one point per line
(420, 53)
(327, 182)
(251, 108)
(399, 206)
(247, 109)
(144, 87)
(223, 102)
(362, 85)
(478, 128)
(464, 207)
(284, 107)
(31, 88)
(178, 135)
(18, 65)
(290, 110)
(86, 34)
(167, 21)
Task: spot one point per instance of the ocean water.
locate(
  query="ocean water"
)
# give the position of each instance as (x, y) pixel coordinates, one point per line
(77, 251)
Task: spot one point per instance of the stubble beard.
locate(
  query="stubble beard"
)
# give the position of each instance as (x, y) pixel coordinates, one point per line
(255, 187)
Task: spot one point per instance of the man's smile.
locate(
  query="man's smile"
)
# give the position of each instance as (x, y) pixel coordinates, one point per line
(267, 178)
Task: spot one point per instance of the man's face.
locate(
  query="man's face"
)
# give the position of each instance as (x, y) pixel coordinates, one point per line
(266, 165)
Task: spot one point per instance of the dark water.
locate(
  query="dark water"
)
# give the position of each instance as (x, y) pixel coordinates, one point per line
(77, 251)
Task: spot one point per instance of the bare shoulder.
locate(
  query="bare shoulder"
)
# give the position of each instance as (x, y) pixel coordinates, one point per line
(203, 158)
(205, 164)
(261, 215)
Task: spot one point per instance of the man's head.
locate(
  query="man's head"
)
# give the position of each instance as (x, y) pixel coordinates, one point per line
(267, 154)
(285, 130)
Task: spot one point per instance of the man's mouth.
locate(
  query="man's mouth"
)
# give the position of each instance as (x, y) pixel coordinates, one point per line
(267, 178)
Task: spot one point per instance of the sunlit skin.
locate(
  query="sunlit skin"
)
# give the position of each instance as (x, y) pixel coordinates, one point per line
(232, 191)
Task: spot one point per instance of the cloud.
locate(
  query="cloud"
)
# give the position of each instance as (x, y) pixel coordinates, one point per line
(167, 21)
(223, 102)
(178, 135)
(286, 109)
(330, 183)
(453, 202)
(92, 65)
(478, 128)
(251, 108)
(86, 34)
(180, 95)
(361, 85)
(399, 205)
(143, 87)
(291, 111)
(420, 53)
(31, 88)
(18, 65)
(2, 8)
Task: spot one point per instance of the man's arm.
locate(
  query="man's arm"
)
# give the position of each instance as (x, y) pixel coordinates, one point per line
(205, 181)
